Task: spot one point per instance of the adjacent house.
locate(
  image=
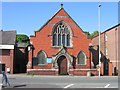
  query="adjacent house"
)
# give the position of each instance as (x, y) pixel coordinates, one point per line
(109, 47)
(13, 55)
(7, 49)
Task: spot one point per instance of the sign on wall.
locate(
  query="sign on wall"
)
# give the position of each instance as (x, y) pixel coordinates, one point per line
(49, 60)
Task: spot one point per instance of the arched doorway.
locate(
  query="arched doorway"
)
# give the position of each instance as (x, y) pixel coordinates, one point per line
(62, 65)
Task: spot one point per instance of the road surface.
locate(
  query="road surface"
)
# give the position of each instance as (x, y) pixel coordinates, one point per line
(25, 81)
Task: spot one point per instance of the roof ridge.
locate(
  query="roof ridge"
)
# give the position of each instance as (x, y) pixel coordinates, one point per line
(46, 22)
(107, 30)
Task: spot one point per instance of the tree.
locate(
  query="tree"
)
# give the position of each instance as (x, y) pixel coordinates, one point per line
(95, 33)
(90, 36)
(21, 38)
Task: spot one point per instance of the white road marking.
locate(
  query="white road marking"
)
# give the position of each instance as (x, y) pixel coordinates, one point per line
(69, 85)
(106, 86)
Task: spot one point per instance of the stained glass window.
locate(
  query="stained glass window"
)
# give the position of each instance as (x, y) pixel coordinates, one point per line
(61, 35)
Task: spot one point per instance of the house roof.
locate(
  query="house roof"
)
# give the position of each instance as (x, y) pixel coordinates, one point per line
(21, 45)
(7, 37)
(107, 30)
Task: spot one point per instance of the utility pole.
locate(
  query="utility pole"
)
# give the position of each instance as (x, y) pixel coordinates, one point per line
(99, 5)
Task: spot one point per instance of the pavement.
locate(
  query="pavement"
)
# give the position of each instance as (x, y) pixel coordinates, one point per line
(64, 82)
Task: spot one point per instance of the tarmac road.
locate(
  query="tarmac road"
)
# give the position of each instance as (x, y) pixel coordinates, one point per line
(25, 81)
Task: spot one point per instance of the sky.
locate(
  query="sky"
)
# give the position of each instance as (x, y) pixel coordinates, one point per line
(27, 17)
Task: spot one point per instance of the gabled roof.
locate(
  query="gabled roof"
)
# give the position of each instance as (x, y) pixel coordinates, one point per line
(53, 17)
(107, 30)
(111, 28)
(47, 22)
(7, 37)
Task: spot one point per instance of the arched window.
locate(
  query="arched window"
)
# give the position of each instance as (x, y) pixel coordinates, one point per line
(61, 35)
(81, 58)
(41, 56)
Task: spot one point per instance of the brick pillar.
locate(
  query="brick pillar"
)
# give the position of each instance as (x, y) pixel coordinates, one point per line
(110, 68)
(101, 68)
(12, 59)
(56, 72)
(90, 58)
(30, 56)
(74, 62)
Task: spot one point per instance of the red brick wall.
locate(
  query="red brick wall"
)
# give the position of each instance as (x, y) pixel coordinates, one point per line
(84, 66)
(7, 57)
(80, 73)
(83, 72)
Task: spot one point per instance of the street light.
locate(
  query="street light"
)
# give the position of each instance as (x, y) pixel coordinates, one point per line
(99, 5)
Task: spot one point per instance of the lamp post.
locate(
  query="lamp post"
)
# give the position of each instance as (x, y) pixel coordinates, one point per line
(99, 37)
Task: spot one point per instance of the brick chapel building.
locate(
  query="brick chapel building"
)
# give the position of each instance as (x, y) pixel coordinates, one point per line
(60, 47)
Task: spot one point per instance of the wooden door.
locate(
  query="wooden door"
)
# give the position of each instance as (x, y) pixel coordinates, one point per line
(62, 64)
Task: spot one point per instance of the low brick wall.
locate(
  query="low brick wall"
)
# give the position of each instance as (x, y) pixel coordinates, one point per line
(94, 72)
(71, 72)
(80, 73)
(84, 72)
(46, 66)
(42, 72)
